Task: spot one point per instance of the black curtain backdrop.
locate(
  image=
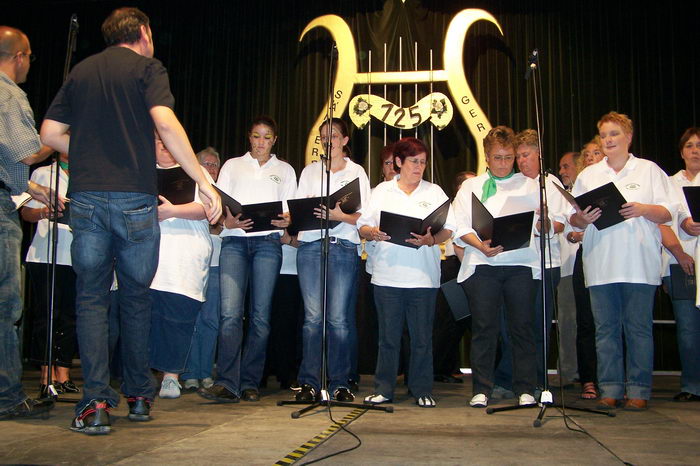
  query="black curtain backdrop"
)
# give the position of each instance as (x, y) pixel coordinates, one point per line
(229, 61)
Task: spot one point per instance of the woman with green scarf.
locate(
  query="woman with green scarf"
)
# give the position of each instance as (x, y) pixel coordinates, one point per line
(495, 280)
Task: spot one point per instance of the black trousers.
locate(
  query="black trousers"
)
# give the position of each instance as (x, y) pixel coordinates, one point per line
(64, 338)
(484, 290)
(585, 325)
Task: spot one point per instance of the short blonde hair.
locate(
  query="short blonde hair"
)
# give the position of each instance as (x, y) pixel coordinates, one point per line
(620, 119)
(527, 137)
(501, 135)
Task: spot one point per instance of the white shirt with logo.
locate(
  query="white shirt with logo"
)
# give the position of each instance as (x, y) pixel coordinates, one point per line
(629, 252)
(517, 186)
(312, 183)
(246, 181)
(687, 241)
(400, 266)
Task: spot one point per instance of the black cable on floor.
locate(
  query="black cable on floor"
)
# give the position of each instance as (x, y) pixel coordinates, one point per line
(359, 441)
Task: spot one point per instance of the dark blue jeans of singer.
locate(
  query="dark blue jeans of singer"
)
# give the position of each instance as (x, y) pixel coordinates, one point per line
(486, 289)
(172, 325)
(416, 308)
(246, 263)
(201, 359)
(114, 231)
(11, 392)
(342, 272)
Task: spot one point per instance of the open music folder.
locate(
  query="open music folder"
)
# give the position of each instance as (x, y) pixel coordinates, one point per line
(261, 214)
(301, 211)
(175, 185)
(399, 227)
(607, 198)
(510, 231)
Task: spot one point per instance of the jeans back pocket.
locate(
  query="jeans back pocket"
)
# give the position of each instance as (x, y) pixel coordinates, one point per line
(140, 223)
(81, 216)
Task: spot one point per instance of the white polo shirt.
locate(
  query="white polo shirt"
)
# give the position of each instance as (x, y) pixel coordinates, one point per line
(517, 186)
(246, 181)
(185, 254)
(681, 213)
(312, 183)
(40, 249)
(399, 266)
(629, 252)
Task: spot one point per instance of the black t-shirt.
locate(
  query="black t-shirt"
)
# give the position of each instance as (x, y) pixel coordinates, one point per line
(106, 101)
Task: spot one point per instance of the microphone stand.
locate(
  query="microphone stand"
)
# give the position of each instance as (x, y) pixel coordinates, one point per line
(325, 400)
(546, 398)
(51, 391)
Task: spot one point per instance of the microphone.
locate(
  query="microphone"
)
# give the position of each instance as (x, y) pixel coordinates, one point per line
(532, 61)
(74, 22)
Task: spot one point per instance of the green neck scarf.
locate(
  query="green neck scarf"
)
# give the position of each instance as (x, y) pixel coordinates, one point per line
(489, 188)
(63, 164)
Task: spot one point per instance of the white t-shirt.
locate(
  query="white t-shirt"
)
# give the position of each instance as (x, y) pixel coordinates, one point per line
(567, 251)
(558, 209)
(400, 266)
(312, 183)
(525, 192)
(40, 249)
(681, 213)
(289, 260)
(216, 250)
(246, 181)
(185, 253)
(629, 252)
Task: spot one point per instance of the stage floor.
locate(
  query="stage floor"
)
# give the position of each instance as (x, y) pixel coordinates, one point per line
(190, 430)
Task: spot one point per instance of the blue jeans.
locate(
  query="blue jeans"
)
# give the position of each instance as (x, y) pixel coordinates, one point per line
(201, 360)
(342, 272)
(173, 317)
(114, 231)
(624, 308)
(688, 334)
(11, 393)
(254, 260)
(416, 308)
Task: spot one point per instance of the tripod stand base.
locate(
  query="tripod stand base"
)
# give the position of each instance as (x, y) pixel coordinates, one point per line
(325, 403)
(543, 408)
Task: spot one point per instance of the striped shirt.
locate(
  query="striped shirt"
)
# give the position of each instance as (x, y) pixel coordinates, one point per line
(18, 136)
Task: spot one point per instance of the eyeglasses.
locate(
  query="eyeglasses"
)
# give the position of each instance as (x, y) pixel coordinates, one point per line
(210, 164)
(388, 162)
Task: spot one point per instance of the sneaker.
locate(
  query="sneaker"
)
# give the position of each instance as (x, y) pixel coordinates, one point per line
(479, 401)
(218, 393)
(343, 394)
(426, 401)
(93, 419)
(69, 387)
(526, 400)
(207, 382)
(250, 394)
(27, 409)
(376, 399)
(169, 388)
(307, 393)
(139, 409)
(294, 386)
(190, 385)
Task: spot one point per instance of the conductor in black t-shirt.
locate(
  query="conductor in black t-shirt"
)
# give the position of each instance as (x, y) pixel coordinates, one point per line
(111, 103)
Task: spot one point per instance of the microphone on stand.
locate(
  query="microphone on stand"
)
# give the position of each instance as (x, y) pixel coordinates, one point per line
(533, 62)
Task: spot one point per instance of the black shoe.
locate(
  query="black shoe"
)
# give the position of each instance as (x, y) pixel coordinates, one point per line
(28, 408)
(447, 379)
(93, 419)
(353, 385)
(69, 387)
(343, 394)
(139, 408)
(685, 396)
(307, 393)
(218, 393)
(250, 394)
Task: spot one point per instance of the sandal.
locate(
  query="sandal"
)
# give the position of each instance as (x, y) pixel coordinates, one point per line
(426, 401)
(588, 391)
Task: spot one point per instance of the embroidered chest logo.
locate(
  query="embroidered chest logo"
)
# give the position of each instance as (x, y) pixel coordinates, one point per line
(632, 186)
(344, 183)
(424, 204)
(276, 179)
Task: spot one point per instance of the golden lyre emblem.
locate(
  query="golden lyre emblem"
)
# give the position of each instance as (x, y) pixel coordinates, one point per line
(435, 107)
